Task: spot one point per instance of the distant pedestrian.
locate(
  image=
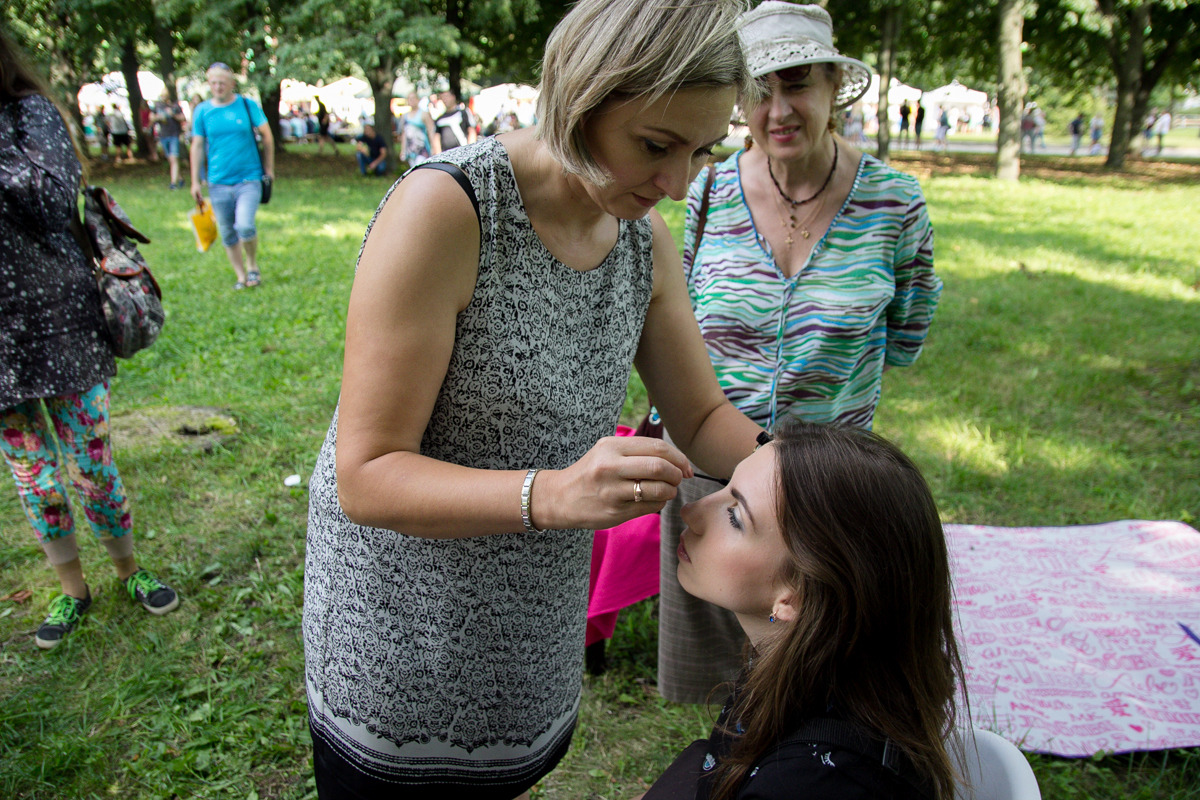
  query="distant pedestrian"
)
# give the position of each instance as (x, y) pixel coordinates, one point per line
(1039, 127)
(169, 117)
(371, 152)
(1028, 128)
(418, 129)
(118, 128)
(455, 127)
(918, 123)
(323, 135)
(1096, 130)
(905, 113)
(102, 132)
(146, 124)
(1076, 128)
(1148, 128)
(223, 140)
(943, 128)
(1162, 126)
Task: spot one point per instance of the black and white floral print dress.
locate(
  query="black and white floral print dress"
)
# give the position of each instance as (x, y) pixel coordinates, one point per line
(460, 660)
(52, 339)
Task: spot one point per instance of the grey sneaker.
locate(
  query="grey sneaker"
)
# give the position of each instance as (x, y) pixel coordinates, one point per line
(65, 613)
(154, 595)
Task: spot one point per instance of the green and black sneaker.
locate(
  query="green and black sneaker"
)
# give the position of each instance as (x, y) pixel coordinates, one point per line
(154, 595)
(65, 613)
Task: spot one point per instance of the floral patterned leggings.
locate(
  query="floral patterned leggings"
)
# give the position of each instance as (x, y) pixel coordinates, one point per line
(81, 424)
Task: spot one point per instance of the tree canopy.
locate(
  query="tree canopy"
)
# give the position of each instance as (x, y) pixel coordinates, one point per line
(1122, 51)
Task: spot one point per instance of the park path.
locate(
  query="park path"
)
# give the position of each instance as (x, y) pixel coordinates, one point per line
(736, 139)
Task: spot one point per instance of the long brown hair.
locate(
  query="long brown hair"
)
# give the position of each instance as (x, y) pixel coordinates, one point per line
(18, 79)
(873, 636)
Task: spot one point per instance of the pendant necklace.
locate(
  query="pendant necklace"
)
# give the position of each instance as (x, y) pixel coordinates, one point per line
(790, 222)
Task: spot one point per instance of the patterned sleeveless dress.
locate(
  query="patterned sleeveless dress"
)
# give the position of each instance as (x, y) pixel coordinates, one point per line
(459, 661)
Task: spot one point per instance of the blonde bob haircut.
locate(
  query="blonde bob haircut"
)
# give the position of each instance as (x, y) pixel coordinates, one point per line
(638, 50)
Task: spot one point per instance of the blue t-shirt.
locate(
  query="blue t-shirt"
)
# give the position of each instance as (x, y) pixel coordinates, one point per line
(228, 132)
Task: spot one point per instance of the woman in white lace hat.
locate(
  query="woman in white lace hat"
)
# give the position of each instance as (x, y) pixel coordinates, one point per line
(810, 269)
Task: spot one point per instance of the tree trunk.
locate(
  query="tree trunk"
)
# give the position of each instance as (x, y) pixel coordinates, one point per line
(888, 32)
(1129, 75)
(270, 104)
(1011, 91)
(456, 16)
(1151, 74)
(129, 68)
(381, 79)
(165, 40)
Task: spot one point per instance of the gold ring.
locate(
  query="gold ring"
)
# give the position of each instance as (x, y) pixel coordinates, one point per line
(637, 491)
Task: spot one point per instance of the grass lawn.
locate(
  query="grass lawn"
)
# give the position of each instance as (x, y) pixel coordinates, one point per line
(1061, 384)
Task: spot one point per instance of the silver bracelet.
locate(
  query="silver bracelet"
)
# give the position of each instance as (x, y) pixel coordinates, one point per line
(526, 496)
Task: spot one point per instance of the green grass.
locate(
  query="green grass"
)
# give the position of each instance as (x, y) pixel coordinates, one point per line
(1060, 384)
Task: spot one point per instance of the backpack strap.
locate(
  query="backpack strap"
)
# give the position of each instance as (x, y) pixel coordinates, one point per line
(454, 171)
(855, 738)
(84, 241)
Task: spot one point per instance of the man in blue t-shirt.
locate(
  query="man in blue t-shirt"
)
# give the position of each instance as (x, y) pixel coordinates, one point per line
(372, 151)
(223, 129)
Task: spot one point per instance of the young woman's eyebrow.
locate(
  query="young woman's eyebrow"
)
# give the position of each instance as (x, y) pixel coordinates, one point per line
(742, 502)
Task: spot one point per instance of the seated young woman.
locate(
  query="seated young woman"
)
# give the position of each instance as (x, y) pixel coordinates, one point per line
(827, 546)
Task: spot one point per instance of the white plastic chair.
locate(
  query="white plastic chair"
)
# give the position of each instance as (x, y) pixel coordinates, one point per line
(996, 769)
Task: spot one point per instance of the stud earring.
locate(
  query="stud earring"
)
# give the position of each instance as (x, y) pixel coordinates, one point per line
(771, 618)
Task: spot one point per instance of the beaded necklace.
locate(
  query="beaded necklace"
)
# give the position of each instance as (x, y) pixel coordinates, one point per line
(790, 221)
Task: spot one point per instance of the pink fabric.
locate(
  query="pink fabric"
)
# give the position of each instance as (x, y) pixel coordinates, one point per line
(1081, 639)
(624, 569)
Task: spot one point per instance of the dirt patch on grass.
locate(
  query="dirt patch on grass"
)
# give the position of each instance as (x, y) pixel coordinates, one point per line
(202, 427)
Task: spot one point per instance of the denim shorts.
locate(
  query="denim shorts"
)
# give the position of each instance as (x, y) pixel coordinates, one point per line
(170, 146)
(234, 206)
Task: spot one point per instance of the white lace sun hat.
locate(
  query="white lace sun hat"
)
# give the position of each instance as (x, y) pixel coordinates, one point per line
(778, 35)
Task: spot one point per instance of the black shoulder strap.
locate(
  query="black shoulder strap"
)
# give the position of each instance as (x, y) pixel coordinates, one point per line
(455, 172)
(855, 738)
(253, 138)
(83, 239)
(848, 736)
(701, 217)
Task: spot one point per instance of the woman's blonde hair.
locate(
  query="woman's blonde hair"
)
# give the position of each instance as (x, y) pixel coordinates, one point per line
(636, 49)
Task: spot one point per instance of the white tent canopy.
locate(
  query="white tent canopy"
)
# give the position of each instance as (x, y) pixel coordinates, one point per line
(293, 91)
(518, 97)
(897, 92)
(956, 95)
(960, 103)
(110, 90)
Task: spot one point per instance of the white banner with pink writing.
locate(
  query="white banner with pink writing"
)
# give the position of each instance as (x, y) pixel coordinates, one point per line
(1082, 639)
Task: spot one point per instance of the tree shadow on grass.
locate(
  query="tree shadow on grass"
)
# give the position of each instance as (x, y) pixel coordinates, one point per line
(1078, 171)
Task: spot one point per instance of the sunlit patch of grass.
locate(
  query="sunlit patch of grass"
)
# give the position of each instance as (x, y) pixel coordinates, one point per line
(964, 442)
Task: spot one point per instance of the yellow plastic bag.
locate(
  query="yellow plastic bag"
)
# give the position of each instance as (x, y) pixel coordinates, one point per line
(204, 225)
